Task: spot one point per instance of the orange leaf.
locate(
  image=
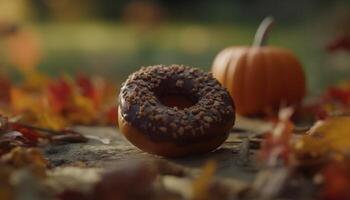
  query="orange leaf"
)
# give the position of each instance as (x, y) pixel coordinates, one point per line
(21, 101)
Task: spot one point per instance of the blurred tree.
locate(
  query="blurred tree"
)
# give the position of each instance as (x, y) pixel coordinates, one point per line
(195, 10)
(65, 10)
(15, 10)
(143, 14)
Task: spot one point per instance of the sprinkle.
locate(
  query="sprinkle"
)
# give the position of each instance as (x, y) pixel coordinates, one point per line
(163, 129)
(208, 119)
(181, 131)
(179, 83)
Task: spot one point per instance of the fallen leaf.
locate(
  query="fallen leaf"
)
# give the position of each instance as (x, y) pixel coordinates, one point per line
(326, 137)
(276, 149)
(5, 88)
(59, 94)
(31, 135)
(21, 101)
(341, 42)
(88, 89)
(341, 94)
(336, 181)
(25, 157)
(201, 185)
(111, 116)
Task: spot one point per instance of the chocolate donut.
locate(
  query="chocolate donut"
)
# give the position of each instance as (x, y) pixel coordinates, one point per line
(174, 110)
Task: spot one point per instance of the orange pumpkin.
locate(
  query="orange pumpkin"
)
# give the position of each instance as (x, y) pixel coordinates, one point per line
(260, 78)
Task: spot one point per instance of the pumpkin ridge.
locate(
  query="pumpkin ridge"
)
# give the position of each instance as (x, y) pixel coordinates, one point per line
(268, 82)
(238, 90)
(287, 80)
(222, 61)
(234, 57)
(227, 67)
(267, 88)
(282, 97)
(272, 77)
(253, 79)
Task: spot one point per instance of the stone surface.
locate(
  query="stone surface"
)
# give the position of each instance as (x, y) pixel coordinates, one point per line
(107, 145)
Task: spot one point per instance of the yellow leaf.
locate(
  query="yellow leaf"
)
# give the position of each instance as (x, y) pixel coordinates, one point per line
(50, 120)
(35, 80)
(85, 110)
(20, 100)
(330, 136)
(201, 185)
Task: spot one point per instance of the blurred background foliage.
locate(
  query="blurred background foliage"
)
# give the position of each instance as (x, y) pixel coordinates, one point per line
(113, 38)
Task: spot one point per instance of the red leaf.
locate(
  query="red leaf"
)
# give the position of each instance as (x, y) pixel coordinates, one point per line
(30, 134)
(112, 115)
(87, 88)
(5, 88)
(339, 94)
(59, 94)
(336, 181)
(339, 43)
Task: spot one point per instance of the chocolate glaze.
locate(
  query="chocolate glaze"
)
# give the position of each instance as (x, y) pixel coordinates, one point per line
(140, 106)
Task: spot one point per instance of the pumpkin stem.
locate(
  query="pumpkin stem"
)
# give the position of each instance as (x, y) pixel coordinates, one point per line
(262, 32)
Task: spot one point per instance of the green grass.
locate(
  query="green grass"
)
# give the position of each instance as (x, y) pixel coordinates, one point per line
(115, 50)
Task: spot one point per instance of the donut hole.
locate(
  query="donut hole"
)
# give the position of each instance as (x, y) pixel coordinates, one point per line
(179, 100)
(176, 92)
